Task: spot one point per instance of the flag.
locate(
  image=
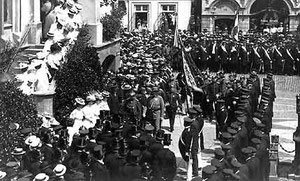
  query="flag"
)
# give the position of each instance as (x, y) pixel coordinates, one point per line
(235, 29)
(190, 80)
(176, 39)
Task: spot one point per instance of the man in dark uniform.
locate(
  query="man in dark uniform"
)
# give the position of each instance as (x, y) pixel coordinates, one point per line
(221, 116)
(214, 62)
(243, 59)
(190, 139)
(132, 107)
(174, 102)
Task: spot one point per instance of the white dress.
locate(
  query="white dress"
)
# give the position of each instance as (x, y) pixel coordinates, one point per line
(91, 115)
(42, 74)
(77, 115)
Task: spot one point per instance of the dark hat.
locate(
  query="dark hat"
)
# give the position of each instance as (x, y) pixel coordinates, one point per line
(257, 115)
(98, 151)
(188, 120)
(226, 137)
(247, 151)
(255, 141)
(216, 163)
(57, 128)
(160, 135)
(83, 132)
(207, 171)
(235, 163)
(260, 126)
(135, 155)
(231, 131)
(197, 108)
(235, 125)
(167, 139)
(242, 119)
(149, 127)
(81, 143)
(238, 113)
(192, 111)
(258, 134)
(226, 147)
(26, 131)
(252, 149)
(219, 153)
(227, 172)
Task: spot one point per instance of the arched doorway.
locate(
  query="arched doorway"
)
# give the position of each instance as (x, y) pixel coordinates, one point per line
(269, 13)
(224, 25)
(109, 63)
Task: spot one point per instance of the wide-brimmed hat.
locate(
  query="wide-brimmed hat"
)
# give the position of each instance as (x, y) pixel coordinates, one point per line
(2, 174)
(60, 169)
(41, 177)
(90, 98)
(18, 151)
(30, 139)
(80, 101)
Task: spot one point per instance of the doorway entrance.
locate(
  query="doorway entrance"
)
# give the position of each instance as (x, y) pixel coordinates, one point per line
(224, 25)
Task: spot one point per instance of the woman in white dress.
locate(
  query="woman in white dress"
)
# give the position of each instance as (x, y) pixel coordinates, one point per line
(77, 115)
(90, 112)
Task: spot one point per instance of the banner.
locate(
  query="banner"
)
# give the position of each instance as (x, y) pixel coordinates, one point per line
(190, 80)
(235, 29)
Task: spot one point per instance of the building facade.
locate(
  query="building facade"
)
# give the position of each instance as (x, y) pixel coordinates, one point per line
(19, 17)
(253, 14)
(151, 14)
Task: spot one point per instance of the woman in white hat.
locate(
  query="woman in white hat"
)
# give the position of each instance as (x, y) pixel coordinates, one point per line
(90, 112)
(2, 174)
(77, 116)
(41, 177)
(59, 171)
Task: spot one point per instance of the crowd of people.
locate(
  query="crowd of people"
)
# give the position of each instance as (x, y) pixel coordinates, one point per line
(62, 23)
(277, 53)
(116, 134)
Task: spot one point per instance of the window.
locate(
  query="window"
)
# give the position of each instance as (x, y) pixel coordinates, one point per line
(141, 8)
(7, 11)
(168, 8)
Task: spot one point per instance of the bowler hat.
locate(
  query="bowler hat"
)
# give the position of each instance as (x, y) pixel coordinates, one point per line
(207, 171)
(167, 139)
(219, 153)
(188, 120)
(81, 143)
(160, 135)
(192, 111)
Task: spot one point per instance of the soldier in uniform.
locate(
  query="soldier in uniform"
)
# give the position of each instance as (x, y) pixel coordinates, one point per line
(132, 107)
(155, 108)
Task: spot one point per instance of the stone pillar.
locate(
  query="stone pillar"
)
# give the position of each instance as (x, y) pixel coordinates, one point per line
(44, 102)
(91, 15)
(1, 17)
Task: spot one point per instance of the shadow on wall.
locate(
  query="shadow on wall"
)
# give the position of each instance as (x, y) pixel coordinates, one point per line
(109, 63)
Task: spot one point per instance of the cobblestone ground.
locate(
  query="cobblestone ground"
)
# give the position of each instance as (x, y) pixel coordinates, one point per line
(285, 122)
